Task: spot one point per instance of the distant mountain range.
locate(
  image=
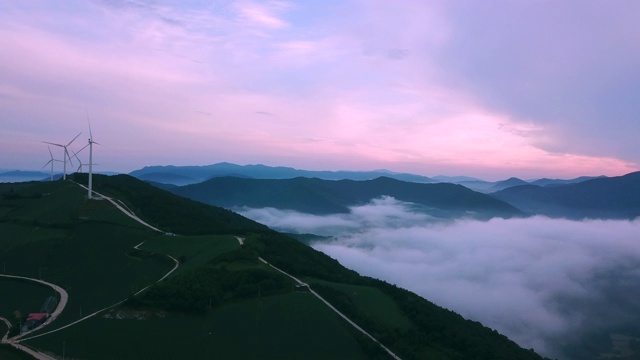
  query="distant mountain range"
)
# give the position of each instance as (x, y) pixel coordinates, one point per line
(490, 187)
(185, 175)
(20, 175)
(317, 196)
(559, 182)
(603, 198)
(23, 175)
(325, 192)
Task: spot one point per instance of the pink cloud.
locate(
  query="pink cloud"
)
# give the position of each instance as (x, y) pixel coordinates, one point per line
(185, 86)
(263, 14)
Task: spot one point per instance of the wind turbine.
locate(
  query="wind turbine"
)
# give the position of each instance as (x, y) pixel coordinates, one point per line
(51, 162)
(91, 142)
(65, 156)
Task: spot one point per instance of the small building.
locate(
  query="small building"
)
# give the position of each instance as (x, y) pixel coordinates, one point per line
(33, 320)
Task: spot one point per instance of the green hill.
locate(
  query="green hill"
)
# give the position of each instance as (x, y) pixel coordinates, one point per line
(223, 302)
(316, 196)
(604, 198)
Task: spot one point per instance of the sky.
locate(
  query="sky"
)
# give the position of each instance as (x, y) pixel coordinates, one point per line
(548, 284)
(492, 89)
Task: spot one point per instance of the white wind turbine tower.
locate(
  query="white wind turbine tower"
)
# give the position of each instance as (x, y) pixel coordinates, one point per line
(65, 156)
(91, 142)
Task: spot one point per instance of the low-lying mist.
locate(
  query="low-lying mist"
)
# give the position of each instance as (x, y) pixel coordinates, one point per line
(558, 286)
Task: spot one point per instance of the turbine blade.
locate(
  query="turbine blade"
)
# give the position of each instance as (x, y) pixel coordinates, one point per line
(90, 134)
(78, 152)
(50, 143)
(50, 153)
(74, 139)
(68, 157)
(48, 162)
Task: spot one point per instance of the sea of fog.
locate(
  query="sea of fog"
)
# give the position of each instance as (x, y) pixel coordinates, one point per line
(555, 285)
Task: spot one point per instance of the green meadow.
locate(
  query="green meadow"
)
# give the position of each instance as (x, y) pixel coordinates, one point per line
(287, 326)
(191, 251)
(55, 234)
(7, 352)
(370, 301)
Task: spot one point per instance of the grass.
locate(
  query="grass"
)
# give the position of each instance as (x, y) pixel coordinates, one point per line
(192, 251)
(108, 274)
(289, 326)
(372, 302)
(19, 234)
(84, 246)
(104, 211)
(8, 352)
(170, 212)
(60, 208)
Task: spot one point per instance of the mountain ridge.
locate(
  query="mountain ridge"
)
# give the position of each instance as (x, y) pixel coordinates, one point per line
(604, 198)
(317, 196)
(195, 174)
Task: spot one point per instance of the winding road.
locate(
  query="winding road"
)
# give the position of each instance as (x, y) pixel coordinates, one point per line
(64, 297)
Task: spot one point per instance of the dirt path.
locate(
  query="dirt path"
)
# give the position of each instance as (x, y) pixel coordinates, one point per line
(300, 283)
(127, 212)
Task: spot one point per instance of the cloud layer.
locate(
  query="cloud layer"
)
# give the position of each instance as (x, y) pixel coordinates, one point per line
(545, 283)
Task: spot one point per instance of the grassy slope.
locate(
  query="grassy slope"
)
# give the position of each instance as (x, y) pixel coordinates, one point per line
(96, 238)
(231, 277)
(287, 326)
(170, 212)
(8, 352)
(370, 301)
(82, 246)
(192, 251)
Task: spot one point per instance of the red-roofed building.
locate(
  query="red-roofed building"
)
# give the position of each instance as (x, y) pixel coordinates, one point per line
(37, 316)
(33, 320)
